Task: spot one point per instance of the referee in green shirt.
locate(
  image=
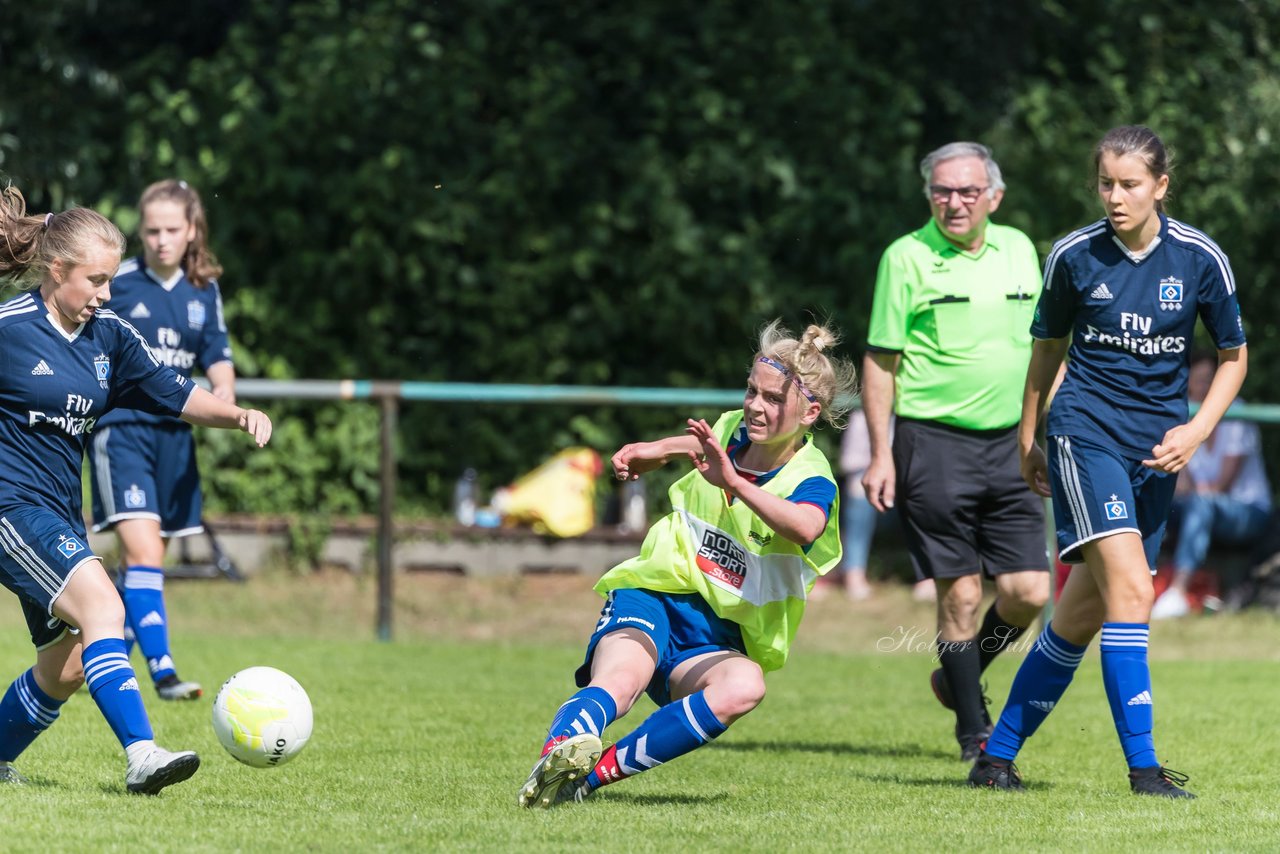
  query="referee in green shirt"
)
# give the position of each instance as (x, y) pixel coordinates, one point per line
(947, 351)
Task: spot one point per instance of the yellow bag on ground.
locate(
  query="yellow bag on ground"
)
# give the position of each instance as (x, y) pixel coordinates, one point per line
(558, 497)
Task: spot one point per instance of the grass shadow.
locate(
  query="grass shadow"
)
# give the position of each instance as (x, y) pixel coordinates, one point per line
(958, 781)
(838, 748)
(644, 800)
(30, 783)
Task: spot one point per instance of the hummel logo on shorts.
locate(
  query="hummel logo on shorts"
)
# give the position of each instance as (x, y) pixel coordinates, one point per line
(1102, 292)
(1045, 706)
(42, 370)
(1143, 699)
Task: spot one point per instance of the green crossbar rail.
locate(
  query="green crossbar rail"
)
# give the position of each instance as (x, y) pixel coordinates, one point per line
(486, 393)
(1264, 413)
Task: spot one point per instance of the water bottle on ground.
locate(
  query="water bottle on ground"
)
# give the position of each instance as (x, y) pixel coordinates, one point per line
(464, 498)
(634, 517)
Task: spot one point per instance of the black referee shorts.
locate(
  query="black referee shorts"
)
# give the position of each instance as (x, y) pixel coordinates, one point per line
(963, 503)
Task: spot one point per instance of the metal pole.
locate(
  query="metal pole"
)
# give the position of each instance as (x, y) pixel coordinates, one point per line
(389, 401)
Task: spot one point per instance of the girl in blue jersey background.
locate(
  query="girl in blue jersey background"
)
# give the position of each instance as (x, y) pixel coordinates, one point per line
(714, 598)
(143, 466)
(1123, 294)
(68, 360)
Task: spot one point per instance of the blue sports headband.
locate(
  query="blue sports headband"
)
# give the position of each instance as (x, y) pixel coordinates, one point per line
(789, 374)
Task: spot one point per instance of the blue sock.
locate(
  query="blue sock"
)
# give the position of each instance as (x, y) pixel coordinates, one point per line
(114, 687)
(25, 712)
(589, 710)
(671, 731)
(1041, 681)
(144, 609)
(1128, 681)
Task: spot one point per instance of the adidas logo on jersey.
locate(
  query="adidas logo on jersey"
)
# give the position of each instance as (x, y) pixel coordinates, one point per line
(42, 370)
(140, 310)
(151, 619)
(1045, 706)
(1102, 292)
(1143, 699)
(130, 684)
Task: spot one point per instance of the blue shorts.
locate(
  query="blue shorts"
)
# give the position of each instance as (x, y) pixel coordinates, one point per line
(146, 471)
(39, 552)
(681, 626)
(1096, 493)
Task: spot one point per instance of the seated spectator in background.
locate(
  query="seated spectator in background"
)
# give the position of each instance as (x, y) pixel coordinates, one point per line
(1223, 495)
(857, 517)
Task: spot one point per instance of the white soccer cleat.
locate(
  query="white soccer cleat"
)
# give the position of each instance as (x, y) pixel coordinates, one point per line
(1172, 603)
(570, 760)
(160, 768)
(9, 774)
(174, 688)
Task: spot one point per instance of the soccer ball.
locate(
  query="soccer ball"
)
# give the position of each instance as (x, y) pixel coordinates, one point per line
(262, 717)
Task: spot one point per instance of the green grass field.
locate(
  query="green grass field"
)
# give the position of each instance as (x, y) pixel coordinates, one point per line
(421, 744)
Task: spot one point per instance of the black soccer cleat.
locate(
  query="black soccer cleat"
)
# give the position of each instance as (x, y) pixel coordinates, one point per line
(1159, 781)
(992, 773)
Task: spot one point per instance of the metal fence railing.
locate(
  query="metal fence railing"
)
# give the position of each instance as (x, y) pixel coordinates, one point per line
(388, 395)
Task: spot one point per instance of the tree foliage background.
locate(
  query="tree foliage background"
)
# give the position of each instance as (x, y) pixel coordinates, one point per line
(617, 194)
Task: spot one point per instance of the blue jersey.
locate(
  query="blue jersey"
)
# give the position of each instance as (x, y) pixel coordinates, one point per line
(1132, 319)
(182, 324)
(54, 386)
(818, 491)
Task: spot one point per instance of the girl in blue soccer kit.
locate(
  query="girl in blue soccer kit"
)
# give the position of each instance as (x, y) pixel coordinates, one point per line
(67, 361)
(715, 596)
(1121, 298)
(143, 465)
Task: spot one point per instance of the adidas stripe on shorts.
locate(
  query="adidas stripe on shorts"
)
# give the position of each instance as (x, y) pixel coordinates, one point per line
(39, 552)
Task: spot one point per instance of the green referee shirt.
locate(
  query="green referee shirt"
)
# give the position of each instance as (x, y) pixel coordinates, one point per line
(961, 321)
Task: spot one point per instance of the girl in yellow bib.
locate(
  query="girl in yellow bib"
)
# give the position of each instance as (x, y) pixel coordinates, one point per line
(714, 598)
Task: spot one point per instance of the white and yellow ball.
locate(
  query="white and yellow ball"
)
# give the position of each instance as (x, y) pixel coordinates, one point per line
(262, 717)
